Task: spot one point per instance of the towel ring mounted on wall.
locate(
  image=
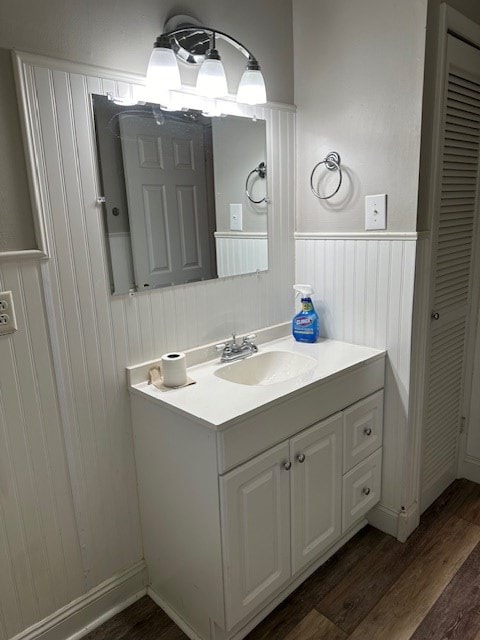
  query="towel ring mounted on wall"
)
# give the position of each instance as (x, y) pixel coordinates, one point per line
(332, 163)
(262, 172)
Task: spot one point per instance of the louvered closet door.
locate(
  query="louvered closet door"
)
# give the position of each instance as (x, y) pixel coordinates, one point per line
(453, 246)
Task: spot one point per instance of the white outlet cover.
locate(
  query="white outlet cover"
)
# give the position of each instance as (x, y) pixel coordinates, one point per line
(376, 212)
(8, 321)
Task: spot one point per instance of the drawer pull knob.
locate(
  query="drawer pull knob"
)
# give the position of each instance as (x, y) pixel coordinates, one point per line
(287, 465)
(367, 431)
(367, 491)
(301, 457)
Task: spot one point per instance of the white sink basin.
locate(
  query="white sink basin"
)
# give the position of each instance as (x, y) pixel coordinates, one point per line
(267, 368)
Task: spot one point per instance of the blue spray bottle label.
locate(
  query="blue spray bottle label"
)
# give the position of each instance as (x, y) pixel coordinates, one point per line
(305, 323)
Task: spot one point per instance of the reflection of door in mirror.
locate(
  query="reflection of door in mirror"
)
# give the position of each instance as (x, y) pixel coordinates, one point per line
(165, 168)
(164, 224)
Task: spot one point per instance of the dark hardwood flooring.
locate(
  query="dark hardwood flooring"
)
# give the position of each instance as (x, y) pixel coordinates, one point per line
(374, 588)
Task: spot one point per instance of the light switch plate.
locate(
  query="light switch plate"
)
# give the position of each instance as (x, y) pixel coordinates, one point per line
(236, 217)
(376, 212)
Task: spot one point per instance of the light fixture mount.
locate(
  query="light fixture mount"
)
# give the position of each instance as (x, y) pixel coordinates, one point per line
(189, 39)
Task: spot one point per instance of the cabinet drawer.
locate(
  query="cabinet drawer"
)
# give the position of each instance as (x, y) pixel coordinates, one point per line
(361, 489)
(362, 430)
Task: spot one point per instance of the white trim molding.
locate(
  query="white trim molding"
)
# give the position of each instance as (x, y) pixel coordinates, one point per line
(470, 469)
(408, 521)
(24, 254)
(31, 146)
(91, 610)
(357, 235)
(384, 518)
(241, 235)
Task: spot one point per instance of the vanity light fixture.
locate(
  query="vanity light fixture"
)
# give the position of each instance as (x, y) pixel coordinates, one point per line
(194, 44)
(163, 73)
(211, 79)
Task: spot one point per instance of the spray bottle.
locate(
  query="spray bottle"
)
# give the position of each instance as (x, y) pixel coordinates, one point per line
(305, 323)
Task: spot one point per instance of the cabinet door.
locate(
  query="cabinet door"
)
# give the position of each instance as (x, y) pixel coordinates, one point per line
(255, 501)
(316, 456)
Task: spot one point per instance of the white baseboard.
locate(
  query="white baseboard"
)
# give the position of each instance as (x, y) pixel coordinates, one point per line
(173, 614)
(91, 610)
(470, 469)
(384, 518)
(408, 521)
(399, 524)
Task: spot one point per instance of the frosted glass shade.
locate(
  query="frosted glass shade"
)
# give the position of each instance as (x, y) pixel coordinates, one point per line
(251, 89)
(163, 74)
(211, 79)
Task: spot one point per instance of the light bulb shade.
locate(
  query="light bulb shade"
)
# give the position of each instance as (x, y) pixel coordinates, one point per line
(163, 74)
(251, 89)
(211, 79)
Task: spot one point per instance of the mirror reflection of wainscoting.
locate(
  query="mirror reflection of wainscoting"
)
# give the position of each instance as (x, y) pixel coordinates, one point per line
(239, 252)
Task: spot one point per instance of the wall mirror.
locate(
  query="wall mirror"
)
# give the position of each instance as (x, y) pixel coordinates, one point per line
(185, 195)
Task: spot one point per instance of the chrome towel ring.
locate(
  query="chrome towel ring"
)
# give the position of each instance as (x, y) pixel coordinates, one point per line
(332, 163)
(261, 170)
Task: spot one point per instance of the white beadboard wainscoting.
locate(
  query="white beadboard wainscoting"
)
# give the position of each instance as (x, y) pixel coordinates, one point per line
(40, 558)
(70, 543)
(241, 252)
(363, 287)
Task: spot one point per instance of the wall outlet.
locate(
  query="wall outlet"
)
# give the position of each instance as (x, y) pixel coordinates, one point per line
(376, 212)
(8, 322)
(236, 217)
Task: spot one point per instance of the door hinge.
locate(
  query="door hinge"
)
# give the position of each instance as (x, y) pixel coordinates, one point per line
(463, 422)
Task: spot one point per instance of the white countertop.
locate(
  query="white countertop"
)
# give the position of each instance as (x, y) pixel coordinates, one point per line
(218, 403)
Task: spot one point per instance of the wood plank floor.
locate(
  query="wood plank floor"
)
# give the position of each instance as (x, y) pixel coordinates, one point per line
(374, 588)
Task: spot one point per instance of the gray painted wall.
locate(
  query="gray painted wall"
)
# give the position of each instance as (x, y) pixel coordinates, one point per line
(358, 88)
(119, 34)
(233, 161)
(16, 224)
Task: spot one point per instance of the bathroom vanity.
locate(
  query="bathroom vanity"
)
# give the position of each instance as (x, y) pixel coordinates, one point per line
(247, 487)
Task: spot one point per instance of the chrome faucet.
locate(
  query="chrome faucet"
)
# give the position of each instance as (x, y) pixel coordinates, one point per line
(233, 350)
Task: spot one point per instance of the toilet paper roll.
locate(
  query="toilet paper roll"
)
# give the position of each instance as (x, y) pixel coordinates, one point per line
(174, 369)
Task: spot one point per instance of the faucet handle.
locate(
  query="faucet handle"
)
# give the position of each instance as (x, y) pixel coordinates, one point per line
(250, 337)
(220, 347)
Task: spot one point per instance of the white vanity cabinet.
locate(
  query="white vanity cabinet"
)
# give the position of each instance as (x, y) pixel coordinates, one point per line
(235, 515)
(280, 511)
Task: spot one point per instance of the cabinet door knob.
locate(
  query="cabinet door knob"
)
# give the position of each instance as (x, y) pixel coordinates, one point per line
(367, 431)
(435, 315)
(301, 457)
(287, 465)
(366, 491)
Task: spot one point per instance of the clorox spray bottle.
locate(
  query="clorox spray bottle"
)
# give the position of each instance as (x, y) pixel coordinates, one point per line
(305, 323)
